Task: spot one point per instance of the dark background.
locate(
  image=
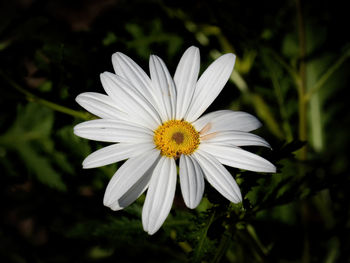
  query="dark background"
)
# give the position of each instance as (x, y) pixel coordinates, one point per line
(51, 209)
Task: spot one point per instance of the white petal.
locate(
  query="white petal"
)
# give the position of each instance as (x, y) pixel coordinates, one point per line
(112, 131)
(236, 157)
(115, 153)
(100, 105)
(191, 181)
(165, 86)
(129, 70)
(131, 179)
(117, 94)
(134, 103)
(234, 138)
(210, 85)
(185, 78)
(218, 176)
(226, 120)
(160, 195)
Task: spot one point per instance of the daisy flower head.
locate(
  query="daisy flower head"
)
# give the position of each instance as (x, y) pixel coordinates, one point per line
(156, 120)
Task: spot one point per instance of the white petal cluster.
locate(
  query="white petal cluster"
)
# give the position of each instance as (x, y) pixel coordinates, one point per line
(136, 105)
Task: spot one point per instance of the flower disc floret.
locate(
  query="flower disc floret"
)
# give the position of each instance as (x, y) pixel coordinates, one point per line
(176, 137)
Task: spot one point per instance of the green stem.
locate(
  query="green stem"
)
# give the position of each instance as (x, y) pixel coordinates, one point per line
(303, 121)
(263, 250)
(198, 253)
(33, 98)
(60, 108)
(319, 84)
(223, 246)
(301, 84)
(248, 240)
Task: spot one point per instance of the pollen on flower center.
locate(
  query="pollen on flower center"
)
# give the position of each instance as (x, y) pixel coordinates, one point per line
(175, 137)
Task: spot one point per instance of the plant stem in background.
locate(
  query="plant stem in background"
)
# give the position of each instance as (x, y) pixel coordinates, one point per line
(199, 252)
(319, 84)
(301, 84)
(222, 247)
(33, 98)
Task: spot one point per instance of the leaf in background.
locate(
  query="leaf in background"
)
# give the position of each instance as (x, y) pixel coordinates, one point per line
(41, 167)
(142, 40)
(317, 66)
(290, 47)
(264, 112)
(30, 138)
(275, 189)
(281, 85)
(204, 244)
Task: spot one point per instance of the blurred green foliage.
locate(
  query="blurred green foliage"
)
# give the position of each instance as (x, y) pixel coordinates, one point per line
(291, 71)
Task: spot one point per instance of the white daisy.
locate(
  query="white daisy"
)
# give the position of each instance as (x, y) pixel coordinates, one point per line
(154, 121)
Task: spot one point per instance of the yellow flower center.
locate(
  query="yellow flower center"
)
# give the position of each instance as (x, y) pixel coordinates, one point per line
(174, 138)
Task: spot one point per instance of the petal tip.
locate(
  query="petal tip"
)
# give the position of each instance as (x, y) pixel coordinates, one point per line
(153, 57)
(116, 58)
(118, 54)
(109, 202)
(228, 59)
(86, 165)
(76, 129)
(273, 169)
(102, 76)
(106, 201)
(151, 230)
(79, 97)
(269, 168)
(193, 49)
(191, 205)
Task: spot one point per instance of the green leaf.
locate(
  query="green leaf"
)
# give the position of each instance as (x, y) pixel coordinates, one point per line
(203, 242)
(110, 39)
(30, 138)
(41, 167)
